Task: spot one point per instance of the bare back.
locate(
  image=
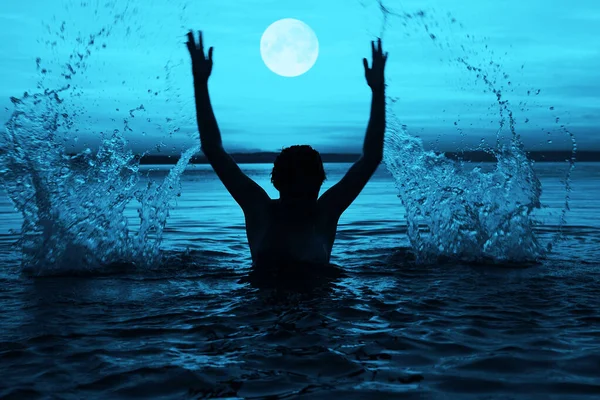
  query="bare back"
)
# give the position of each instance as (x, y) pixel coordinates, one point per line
(279, 231)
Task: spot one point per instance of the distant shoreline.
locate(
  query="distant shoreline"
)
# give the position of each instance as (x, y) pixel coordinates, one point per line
(475, 156)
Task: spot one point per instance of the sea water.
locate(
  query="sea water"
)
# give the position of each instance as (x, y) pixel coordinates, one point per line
(392, 327)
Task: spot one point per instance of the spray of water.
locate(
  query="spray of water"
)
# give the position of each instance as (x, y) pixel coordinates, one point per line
(460, 212)
(74, 207)
(455, 210)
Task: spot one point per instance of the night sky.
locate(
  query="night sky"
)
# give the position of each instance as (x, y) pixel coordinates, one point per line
(549, 48)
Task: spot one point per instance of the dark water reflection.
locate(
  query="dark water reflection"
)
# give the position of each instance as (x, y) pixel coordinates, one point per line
(459, 329)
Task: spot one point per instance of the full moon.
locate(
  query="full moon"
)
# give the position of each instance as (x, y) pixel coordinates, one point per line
(289, 47)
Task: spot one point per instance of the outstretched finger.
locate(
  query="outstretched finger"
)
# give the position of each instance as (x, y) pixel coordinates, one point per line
(191, 43)
(379, 50)
(200, 42)
(210, 53)
(366, 64)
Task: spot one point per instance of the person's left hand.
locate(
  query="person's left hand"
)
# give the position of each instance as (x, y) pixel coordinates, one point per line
(374, 75)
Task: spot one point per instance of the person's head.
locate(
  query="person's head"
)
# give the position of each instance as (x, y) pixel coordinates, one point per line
(298, 172)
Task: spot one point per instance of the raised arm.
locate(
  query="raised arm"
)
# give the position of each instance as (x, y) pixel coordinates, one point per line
(247, 193)
(341, 195)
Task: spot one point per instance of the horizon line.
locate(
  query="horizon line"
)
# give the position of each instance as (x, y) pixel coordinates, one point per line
(474, 156)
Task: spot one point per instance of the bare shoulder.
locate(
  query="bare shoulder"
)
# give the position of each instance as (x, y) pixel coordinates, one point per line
(258, 209)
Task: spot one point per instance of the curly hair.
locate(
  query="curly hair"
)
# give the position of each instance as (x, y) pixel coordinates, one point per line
(296, 161)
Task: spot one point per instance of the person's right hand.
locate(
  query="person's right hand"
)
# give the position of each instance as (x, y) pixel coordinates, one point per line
(201, 66)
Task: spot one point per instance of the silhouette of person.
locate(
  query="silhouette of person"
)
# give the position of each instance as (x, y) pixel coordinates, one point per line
(300, 226)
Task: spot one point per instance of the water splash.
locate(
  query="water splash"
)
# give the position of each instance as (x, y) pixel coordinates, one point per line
(73, 207)
(455, 210)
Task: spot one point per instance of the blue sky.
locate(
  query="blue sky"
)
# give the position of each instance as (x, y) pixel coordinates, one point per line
(549, 46)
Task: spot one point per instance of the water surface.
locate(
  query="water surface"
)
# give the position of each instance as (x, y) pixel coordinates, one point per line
(392, 328)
